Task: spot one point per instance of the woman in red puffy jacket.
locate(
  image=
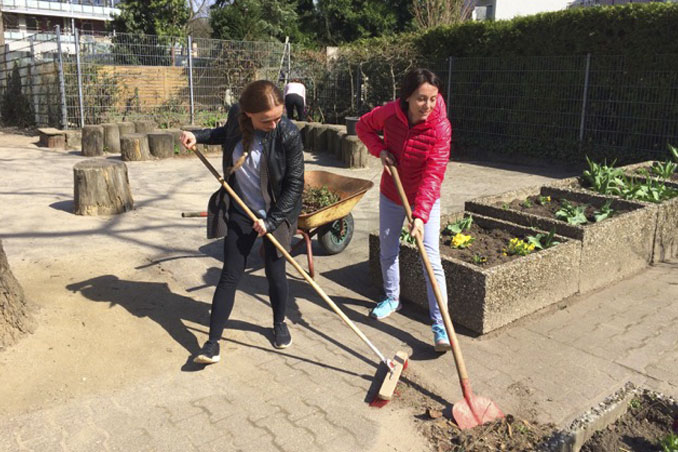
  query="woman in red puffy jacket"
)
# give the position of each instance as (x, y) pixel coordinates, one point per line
(416, 138)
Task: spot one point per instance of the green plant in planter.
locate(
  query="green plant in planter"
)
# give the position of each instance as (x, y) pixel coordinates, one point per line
(518, 247)
(571, 214)
(543, 200)
(527, 203)
(603, 178)
(479, 259)
(405, 236)
(604, 212)
(461, 241)
(461, 225)
(674, 152)
(669, 443)
(543, 241)
(664, 169)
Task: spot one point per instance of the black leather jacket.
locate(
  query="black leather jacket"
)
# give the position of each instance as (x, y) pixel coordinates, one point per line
(283, 158)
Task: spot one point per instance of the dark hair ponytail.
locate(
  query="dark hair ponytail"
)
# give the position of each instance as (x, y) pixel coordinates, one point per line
(258, 96)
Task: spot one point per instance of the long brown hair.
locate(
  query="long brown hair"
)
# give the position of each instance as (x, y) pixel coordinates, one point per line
(258, 96)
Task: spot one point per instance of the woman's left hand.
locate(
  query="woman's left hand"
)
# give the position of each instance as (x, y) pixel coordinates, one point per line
(417, 228)
(260, 227)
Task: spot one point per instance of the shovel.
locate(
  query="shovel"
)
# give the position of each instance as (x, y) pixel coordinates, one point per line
(472, 410)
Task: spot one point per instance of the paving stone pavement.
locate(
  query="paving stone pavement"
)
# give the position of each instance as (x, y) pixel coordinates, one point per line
(551, 366)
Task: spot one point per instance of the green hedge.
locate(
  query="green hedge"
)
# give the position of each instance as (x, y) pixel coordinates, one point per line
(633, 29)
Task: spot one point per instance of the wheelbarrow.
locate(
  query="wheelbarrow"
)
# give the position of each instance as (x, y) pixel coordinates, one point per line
(332, 224)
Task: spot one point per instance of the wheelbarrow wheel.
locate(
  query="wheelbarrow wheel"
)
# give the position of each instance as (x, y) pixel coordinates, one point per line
(336, 237)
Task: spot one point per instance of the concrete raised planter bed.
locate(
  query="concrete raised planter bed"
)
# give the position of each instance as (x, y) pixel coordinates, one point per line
(602, 416)
(665, 237)
(611, 250)
(484, 299)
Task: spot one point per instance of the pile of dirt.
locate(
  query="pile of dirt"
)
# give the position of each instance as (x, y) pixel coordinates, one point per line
(15, 316)
(648, 422)
(315, 198)
(435, 421)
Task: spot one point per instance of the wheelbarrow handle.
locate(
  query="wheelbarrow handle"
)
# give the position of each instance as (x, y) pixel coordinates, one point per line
(458, 358)
(289, 259)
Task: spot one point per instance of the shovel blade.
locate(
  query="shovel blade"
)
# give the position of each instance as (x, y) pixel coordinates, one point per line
(474, 411)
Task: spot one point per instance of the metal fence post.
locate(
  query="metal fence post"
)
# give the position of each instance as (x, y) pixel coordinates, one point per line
(62, 82)
(584, 97)
(190, 77)
(34, 95)
(449, 84)
(358, 90)
(79, 70)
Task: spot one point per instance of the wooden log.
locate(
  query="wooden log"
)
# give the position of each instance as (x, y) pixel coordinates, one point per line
(125, 128)
(111, 138)
(52, 138)
(134, 146)
(144, 126)
(101, 187)
(179, 149)
(16, 318)
(161, 144)
(92, 141)
(73, 139)
(354, 152)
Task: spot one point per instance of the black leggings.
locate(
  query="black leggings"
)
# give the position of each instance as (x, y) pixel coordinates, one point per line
(237, 246)
(293, 101)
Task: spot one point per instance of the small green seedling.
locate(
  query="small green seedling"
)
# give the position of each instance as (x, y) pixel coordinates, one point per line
(405, 236)
(461, 225)
(526, 203)
(571, 214)
(543, 241)
(604, 212)
(669, 443)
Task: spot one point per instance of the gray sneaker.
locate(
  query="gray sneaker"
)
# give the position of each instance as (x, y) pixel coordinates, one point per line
(209, 354)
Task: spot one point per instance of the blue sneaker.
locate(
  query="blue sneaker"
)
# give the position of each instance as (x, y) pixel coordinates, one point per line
(440, 340)
(385, 308)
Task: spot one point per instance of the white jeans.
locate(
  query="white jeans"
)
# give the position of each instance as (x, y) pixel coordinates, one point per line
(391, 218)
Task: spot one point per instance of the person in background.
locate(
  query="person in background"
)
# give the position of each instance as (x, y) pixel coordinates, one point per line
(416, 139)
(295, 98)
(263, 161)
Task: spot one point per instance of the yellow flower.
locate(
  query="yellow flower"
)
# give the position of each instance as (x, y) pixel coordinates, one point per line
(461, 240)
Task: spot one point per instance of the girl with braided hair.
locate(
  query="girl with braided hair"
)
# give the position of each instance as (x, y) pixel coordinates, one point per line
(263, 161)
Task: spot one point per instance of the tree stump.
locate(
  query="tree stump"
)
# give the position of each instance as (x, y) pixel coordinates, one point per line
(73, 139)
(52, 138)
(161, 144)
(178, 147)
(125, 128)
(101, 187)
(134, 146)
(92, 141)
(144, 126)
(15, 315)
(354, 152)
(111, 138)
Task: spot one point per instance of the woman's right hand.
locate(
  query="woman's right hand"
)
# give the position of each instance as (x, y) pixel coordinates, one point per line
(386, 160)
(187, 139)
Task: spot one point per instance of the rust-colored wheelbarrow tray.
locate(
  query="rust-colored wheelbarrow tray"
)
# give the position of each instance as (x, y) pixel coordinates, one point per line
(349, 189)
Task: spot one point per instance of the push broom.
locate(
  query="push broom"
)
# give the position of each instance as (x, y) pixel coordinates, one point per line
(472, 410)
(394, 366)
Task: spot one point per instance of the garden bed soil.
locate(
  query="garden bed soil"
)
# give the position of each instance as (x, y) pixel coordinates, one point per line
(549, 209)
(648, 420)
(611, 249)
(489, 243)
(483, 298)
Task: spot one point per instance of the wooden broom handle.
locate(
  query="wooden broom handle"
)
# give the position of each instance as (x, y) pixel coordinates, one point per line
(289, 258)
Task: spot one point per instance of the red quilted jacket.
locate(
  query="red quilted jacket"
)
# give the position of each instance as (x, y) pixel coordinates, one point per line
(421, 152)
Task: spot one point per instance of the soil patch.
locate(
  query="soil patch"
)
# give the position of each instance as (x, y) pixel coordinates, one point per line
(435, 422)
(546, 206)
(648, 421)
(487, 250)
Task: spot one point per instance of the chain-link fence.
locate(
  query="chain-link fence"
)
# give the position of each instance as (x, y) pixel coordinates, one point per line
(613, 107)
(604, 106)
